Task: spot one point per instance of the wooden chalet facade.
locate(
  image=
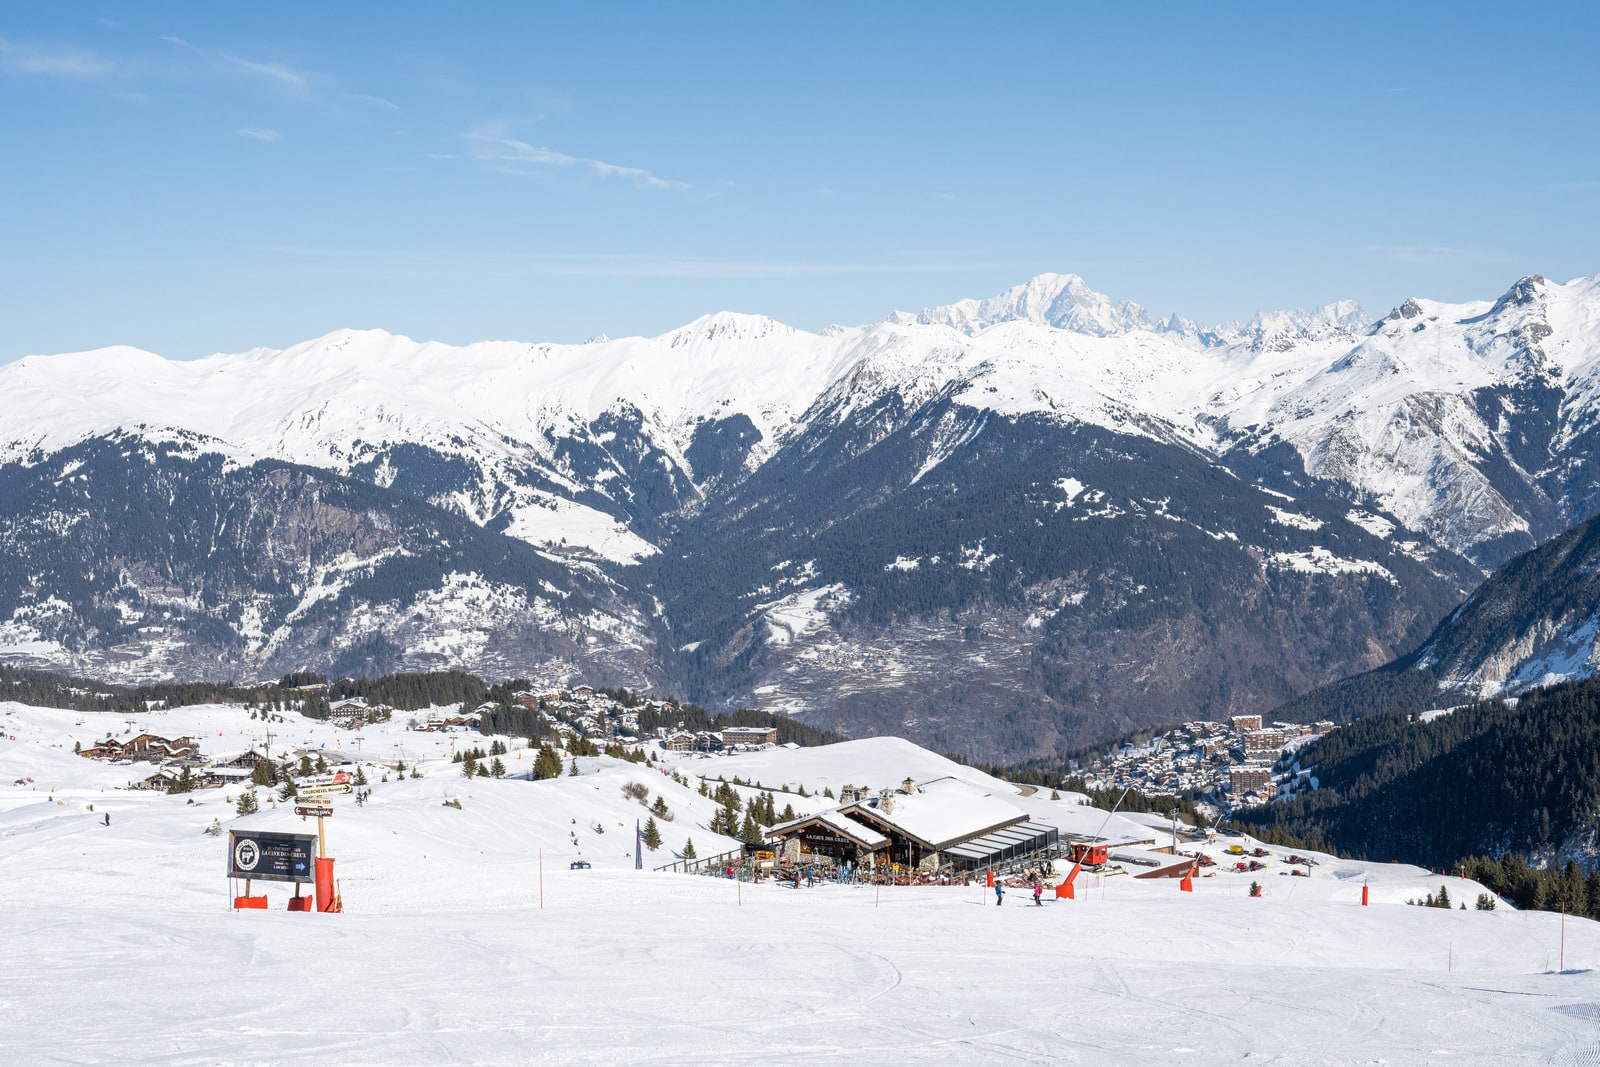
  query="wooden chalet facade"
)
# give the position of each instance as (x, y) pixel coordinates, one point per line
(354, 712)
(943, 824)
(145, 748)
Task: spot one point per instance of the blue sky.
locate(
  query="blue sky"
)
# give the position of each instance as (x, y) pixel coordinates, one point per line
(196, 178)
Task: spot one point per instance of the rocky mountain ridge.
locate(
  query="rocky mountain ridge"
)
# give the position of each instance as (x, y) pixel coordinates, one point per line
(963, 522)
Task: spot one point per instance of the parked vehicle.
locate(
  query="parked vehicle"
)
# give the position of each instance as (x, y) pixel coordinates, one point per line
(578, 865)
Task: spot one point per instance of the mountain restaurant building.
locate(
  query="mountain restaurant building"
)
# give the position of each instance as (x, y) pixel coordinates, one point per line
(943, 823)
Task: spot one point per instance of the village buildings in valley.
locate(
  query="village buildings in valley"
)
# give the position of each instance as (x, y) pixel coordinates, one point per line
(1238, 764)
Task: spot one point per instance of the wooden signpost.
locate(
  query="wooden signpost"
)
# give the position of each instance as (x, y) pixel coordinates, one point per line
(260, 855)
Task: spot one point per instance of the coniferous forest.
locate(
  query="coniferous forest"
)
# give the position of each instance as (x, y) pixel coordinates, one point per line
(310, 693)
(1488, 779)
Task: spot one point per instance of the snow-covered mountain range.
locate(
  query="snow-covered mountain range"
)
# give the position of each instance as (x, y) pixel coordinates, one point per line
(753, 512)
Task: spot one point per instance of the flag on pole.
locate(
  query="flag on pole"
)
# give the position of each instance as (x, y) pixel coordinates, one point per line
(638, 846)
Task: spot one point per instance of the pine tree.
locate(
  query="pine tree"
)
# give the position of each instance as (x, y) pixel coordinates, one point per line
(469, 767)
(547, 764)
(288, 792)
(360, 778)
(660, 806)
(263, 774)
(652, 834)
(322, 764)
(497, 768)
(248, 804)
(573, 773)
(788, 814)
(305, 766)
(750, 833)
(688, 850)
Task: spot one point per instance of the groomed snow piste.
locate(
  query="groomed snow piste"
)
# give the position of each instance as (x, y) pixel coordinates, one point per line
(121, 948)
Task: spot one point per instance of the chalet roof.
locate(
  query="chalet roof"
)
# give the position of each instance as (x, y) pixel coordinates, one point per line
(942, 813)
(835, 820)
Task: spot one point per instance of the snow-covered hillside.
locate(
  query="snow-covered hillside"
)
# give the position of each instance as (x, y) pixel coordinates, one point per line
(852, 524)
(1395, 411)
(467, 937)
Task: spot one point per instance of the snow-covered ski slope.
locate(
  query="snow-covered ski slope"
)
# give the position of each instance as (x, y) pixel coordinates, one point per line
(120, 947)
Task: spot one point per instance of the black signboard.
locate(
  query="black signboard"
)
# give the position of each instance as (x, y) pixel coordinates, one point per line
(271, 857)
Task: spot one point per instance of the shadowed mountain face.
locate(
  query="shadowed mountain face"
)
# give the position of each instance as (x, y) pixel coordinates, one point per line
(127, 559)
(1534, 622)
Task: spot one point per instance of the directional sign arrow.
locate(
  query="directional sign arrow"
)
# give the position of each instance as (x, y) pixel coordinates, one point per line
(309, 791)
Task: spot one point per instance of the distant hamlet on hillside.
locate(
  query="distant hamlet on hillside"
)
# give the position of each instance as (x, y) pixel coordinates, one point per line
(1237, 764)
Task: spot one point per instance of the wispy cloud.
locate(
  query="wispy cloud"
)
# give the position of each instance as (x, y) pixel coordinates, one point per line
(507, 153)
(52, 61)
(635, 174)
(1435, 254)
(276, 72)
(259, 135)
(370, 100)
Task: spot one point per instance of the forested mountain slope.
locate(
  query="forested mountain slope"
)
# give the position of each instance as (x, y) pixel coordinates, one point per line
(1488, 778)
(1004, 525)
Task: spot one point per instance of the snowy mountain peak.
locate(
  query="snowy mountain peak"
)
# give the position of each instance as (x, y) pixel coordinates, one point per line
(1062, 301)
(728, 326)
(1279, 331)
(1527, 292)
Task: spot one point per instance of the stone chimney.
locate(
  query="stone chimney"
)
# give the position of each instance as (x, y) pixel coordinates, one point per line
(909, 787)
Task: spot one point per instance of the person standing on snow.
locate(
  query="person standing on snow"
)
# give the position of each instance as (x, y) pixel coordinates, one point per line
(1038, 890)
(999, 894)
